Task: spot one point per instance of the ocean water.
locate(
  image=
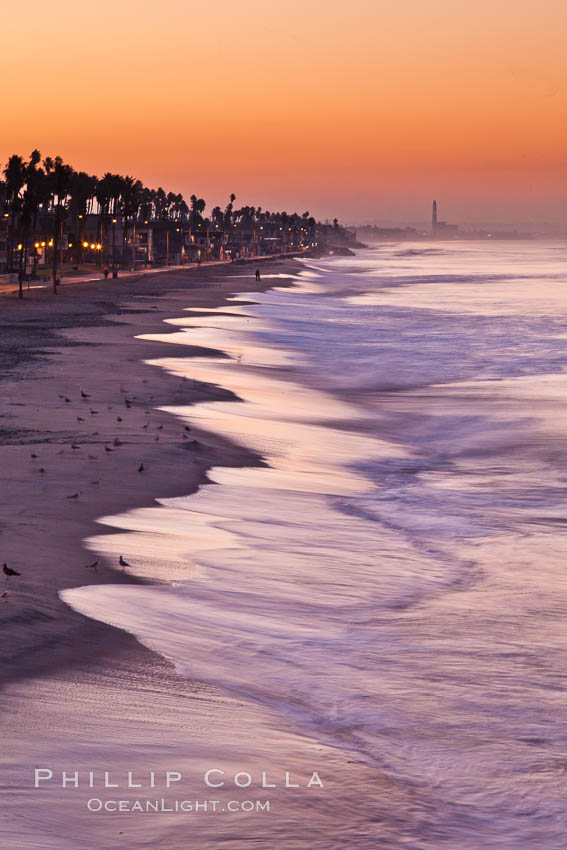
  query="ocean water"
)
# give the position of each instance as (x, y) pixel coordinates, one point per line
(393, 580)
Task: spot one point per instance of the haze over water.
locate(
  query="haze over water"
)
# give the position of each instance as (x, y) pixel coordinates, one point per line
(393, 581)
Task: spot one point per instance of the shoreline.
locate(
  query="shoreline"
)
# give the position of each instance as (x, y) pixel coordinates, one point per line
(48, 357)
(96, 698)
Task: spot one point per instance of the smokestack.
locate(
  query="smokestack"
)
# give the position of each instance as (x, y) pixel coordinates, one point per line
(434, 217)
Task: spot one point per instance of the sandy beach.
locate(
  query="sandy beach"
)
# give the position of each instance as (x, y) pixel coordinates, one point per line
(67, 460)
(80, 695)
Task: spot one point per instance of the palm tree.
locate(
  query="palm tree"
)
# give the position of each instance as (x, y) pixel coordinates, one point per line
(131, 193)
(60, 178)
(36, 197)
(107, 194)
(160, 203)
(197, 209)
(83, 191)
(15, 173)
(31, 199)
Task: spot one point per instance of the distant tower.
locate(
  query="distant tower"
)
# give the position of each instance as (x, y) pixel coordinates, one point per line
(434, 218)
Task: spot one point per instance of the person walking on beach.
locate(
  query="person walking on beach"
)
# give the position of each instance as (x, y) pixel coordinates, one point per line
(105, 272)
(257, 274)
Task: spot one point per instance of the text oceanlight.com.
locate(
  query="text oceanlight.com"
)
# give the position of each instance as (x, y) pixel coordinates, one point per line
(95, 804)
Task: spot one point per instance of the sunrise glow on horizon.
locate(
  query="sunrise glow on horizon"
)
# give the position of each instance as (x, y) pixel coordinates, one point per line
(366, 110)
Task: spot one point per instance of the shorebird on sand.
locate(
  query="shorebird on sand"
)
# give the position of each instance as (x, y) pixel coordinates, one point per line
(9, 572)
(122, 562)
(92, 566)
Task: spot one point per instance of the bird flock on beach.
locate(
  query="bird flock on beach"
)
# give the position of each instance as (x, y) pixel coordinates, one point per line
(10, 573)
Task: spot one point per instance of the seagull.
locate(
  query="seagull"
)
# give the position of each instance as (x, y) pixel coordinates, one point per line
(141, 467)
(33, 455)
(41, 469)
(80, 419)
(160, 427)
(73, 496)
(117, 442)
(93, 411)
(119, 419)
(84, 394)
(122, 562)
(92, 457)
(145, 426)
(6, 596)
(10, 572)
(127, 403)
(73, 446)
(187, 428)
(107, 449)
(68, 400)
(156, 438)
(97, 482)
(92, 566)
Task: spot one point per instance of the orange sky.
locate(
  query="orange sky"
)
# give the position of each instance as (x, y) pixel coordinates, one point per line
(366, 109)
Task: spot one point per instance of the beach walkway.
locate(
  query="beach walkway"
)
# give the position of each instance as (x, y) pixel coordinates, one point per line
(9, 283)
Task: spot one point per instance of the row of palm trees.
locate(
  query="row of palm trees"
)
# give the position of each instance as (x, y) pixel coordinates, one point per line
(40, 196)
